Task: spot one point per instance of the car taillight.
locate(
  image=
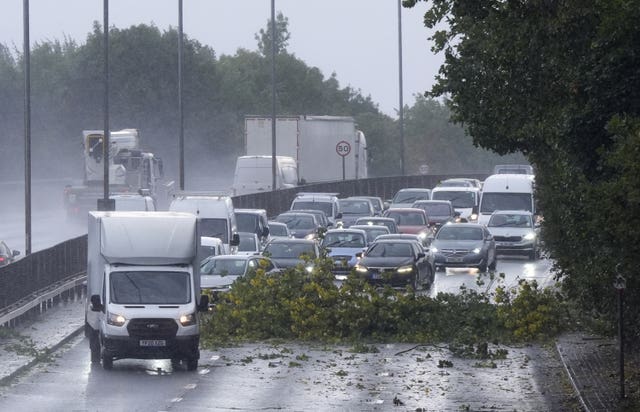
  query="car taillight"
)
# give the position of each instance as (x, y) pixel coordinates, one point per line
(1, 259)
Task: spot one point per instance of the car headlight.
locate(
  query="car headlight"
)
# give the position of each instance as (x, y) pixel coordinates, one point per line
(434, 249)
(309, 268)
(405, 269)
(423, 235)
(476, 250)
(361, 269)
(188, 320)
(115, 319)
(530, 236)
(474, 216)
(310, 236)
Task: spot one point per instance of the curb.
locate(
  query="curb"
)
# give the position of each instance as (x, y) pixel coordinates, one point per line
(573, 382)
(5, 380)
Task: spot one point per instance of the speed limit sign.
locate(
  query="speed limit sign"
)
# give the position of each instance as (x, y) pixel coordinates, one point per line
(343, 148)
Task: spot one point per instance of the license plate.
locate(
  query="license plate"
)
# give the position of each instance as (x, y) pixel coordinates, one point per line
(153, 342)
(454, 260)
(502, 243)
(375, 276)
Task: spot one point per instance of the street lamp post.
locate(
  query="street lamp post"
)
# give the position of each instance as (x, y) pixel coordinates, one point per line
(401, 103)
(180, 107)
(273, 95)
(27, 127)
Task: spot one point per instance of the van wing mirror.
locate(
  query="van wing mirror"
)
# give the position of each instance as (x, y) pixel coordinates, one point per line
(235, 240)
(96, 304)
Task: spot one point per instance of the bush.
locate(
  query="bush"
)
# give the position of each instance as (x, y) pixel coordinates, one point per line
(307, 306)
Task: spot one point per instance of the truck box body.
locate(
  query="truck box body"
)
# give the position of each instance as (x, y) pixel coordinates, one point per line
(143, 277)
(312, 142)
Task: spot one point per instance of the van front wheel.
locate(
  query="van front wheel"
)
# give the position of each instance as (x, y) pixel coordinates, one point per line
(94, 345)
(192, 364)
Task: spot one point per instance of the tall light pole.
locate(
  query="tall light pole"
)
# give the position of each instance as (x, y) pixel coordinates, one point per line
(273, 94)
(27, 127)
(180, 107)
(401, 104)
(105, 203)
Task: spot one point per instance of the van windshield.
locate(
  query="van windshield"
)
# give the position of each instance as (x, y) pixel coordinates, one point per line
(149, 287)
(505, 201)
(247, 222)
(463, 200)
(289, 175)
(326, 207)
(214, 228)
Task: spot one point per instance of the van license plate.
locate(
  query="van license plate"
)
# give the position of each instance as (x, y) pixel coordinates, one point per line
(153, 342)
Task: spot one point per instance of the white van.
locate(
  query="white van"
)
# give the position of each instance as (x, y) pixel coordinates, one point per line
(506, 192)
(215, 213)
(255, 174)
(465, 200)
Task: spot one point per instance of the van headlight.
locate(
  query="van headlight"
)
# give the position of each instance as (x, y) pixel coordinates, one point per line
(188, 320)
(530, 236)
(473, 217)
(115, 319)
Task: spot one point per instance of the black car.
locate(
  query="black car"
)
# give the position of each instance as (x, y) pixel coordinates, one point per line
(288, 253)
(464, 245)
(7, 255)
(439, 212)
(301, 224)
(354, 208)
(396, 263)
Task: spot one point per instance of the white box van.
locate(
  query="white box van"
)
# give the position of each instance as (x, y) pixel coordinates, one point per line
(143, 283)
(506, 192)
(255, 174)
(215, 213)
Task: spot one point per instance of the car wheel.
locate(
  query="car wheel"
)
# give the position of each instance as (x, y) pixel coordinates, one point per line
(175, 363)
(533, 255)
(482, 267)
(417, 283)
(492, 266)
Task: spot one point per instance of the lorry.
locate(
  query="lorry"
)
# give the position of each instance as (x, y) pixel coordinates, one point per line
(143, 284)
(255, 174)
(325, 148)
(131, 170)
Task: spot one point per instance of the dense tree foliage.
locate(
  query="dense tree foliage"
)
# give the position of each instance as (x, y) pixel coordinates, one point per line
(558, 81)
(67, 97)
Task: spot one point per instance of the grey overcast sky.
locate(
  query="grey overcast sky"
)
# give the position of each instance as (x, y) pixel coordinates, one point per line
(356, 39)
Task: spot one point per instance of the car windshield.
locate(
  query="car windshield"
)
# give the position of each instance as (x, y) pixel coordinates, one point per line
(508, 220)
(224, 267)
(372, 233)
(458, 199)
(409, 196)
(214, 228)
(355, 207)
(246, 222)
(456, 183)
(248, 243)
(344, 239)
(278, 230)
(505, 201)
(149, 287)
(289, 250)
(131, 203)
(460, 233)
(434, 209)
(297, 221)
(407, 218)
(326, 207)
(388, 224)
(388, 249)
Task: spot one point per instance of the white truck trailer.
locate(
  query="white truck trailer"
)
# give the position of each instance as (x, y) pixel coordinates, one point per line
(143, 283)
(319, 144)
